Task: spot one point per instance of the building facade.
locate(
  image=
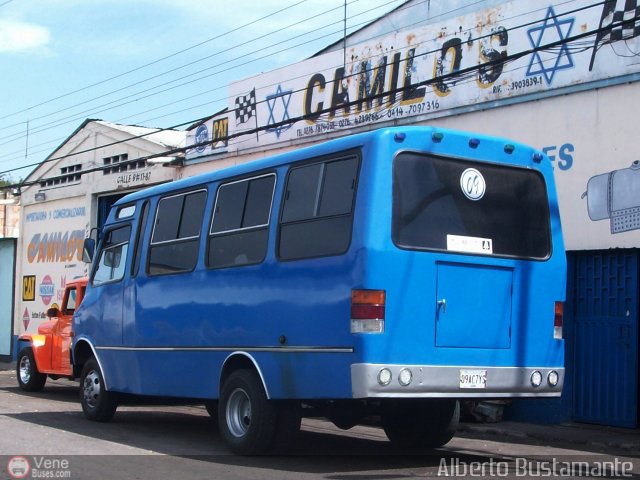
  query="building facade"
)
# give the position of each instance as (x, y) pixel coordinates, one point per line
(67, 198)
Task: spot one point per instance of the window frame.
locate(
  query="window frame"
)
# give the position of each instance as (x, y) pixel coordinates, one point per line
(96, 266)
(224, 233)
(138, 247)
(126, 211)
(69, 311)
(151, 244)
(353, 153)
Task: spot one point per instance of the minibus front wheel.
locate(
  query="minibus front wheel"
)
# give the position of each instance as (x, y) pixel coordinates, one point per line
(98, 404)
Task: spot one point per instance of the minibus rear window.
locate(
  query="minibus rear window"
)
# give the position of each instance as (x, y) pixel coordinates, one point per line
(469, 207)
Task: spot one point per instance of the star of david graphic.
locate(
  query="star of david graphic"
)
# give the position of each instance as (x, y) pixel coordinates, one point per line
(278, 104)
(552, 30)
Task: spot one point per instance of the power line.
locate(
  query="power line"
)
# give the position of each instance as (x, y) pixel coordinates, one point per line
(217, 37)
(166, 72)
(93, 112)
(434, 80)
(356, 74)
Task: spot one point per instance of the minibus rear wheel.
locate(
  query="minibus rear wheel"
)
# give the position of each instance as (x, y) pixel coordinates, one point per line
(98, 404)
(246, 417)
(424, 423)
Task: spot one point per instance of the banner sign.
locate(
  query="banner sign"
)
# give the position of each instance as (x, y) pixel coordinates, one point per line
(429, 71)
(52, 237)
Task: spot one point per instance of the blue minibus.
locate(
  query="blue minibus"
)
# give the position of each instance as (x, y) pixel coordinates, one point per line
(377, 277)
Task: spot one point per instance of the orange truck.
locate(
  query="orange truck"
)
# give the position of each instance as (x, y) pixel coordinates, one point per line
(46, 353)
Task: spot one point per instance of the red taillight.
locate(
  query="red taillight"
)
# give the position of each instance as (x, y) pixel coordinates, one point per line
(557, 320)
(367, 311)
(361, 312)
(367, 304)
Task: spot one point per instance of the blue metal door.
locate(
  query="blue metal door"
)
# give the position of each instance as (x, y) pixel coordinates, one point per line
(603, 297)
(473, 306)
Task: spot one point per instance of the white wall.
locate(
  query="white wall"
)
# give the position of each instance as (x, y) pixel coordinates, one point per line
(587, 134)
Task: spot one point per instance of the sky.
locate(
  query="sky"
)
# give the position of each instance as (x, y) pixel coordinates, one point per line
(155, 63)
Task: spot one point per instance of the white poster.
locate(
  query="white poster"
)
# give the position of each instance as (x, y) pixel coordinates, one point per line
(53, 236)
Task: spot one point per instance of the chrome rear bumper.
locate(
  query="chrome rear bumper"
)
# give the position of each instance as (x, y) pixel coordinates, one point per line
(445, 381)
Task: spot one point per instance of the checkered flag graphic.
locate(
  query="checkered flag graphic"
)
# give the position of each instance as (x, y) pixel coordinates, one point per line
(245, 107)
(619, 21)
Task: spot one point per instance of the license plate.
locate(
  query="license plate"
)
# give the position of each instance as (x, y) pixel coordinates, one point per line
(473, 378)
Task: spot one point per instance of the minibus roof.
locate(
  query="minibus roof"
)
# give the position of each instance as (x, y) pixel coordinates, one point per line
(319, 149)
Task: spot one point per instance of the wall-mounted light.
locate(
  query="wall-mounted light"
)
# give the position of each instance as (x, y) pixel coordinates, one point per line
(15, 191)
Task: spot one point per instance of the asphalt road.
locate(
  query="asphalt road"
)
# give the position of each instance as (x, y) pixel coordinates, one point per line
(46, 433)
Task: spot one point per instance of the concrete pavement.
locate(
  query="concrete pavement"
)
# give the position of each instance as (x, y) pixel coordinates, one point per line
(594, 438)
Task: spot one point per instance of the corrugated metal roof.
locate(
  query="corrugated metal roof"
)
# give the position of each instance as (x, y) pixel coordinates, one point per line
(166, 138)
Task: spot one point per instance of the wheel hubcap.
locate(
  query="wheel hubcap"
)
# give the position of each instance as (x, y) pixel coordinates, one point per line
(91, 389)
(239, 413)
(25, 369)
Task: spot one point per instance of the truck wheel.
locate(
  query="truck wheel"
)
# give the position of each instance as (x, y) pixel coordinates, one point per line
(29, 378)
(247, 419)
(420, 423)
(97, 403)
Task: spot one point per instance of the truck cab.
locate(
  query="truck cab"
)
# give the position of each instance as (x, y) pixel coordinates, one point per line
(47, 353)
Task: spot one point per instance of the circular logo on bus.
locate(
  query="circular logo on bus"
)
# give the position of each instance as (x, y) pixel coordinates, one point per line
(472, 184)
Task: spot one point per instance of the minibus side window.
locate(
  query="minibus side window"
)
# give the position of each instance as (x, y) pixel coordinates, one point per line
(176, 233)
(113, 257)
(240, 227)
(317, 215)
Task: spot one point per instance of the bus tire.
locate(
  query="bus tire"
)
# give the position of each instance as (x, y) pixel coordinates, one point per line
(246, 418)
(29, 378)
(98, 404)
(420, 423)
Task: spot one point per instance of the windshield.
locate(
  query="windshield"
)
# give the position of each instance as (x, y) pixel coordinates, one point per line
(454, 205)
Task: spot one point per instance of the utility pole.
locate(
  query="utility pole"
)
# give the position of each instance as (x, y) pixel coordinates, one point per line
(344, 38)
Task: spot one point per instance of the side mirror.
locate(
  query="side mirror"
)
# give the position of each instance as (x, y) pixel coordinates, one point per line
(88, 249)
(53, 312)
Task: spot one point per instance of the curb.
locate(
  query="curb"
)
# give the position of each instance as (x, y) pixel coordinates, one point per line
(580, 435)
(6, 366)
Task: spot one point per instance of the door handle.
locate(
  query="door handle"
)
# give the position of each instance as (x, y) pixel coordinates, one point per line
(442, 304)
